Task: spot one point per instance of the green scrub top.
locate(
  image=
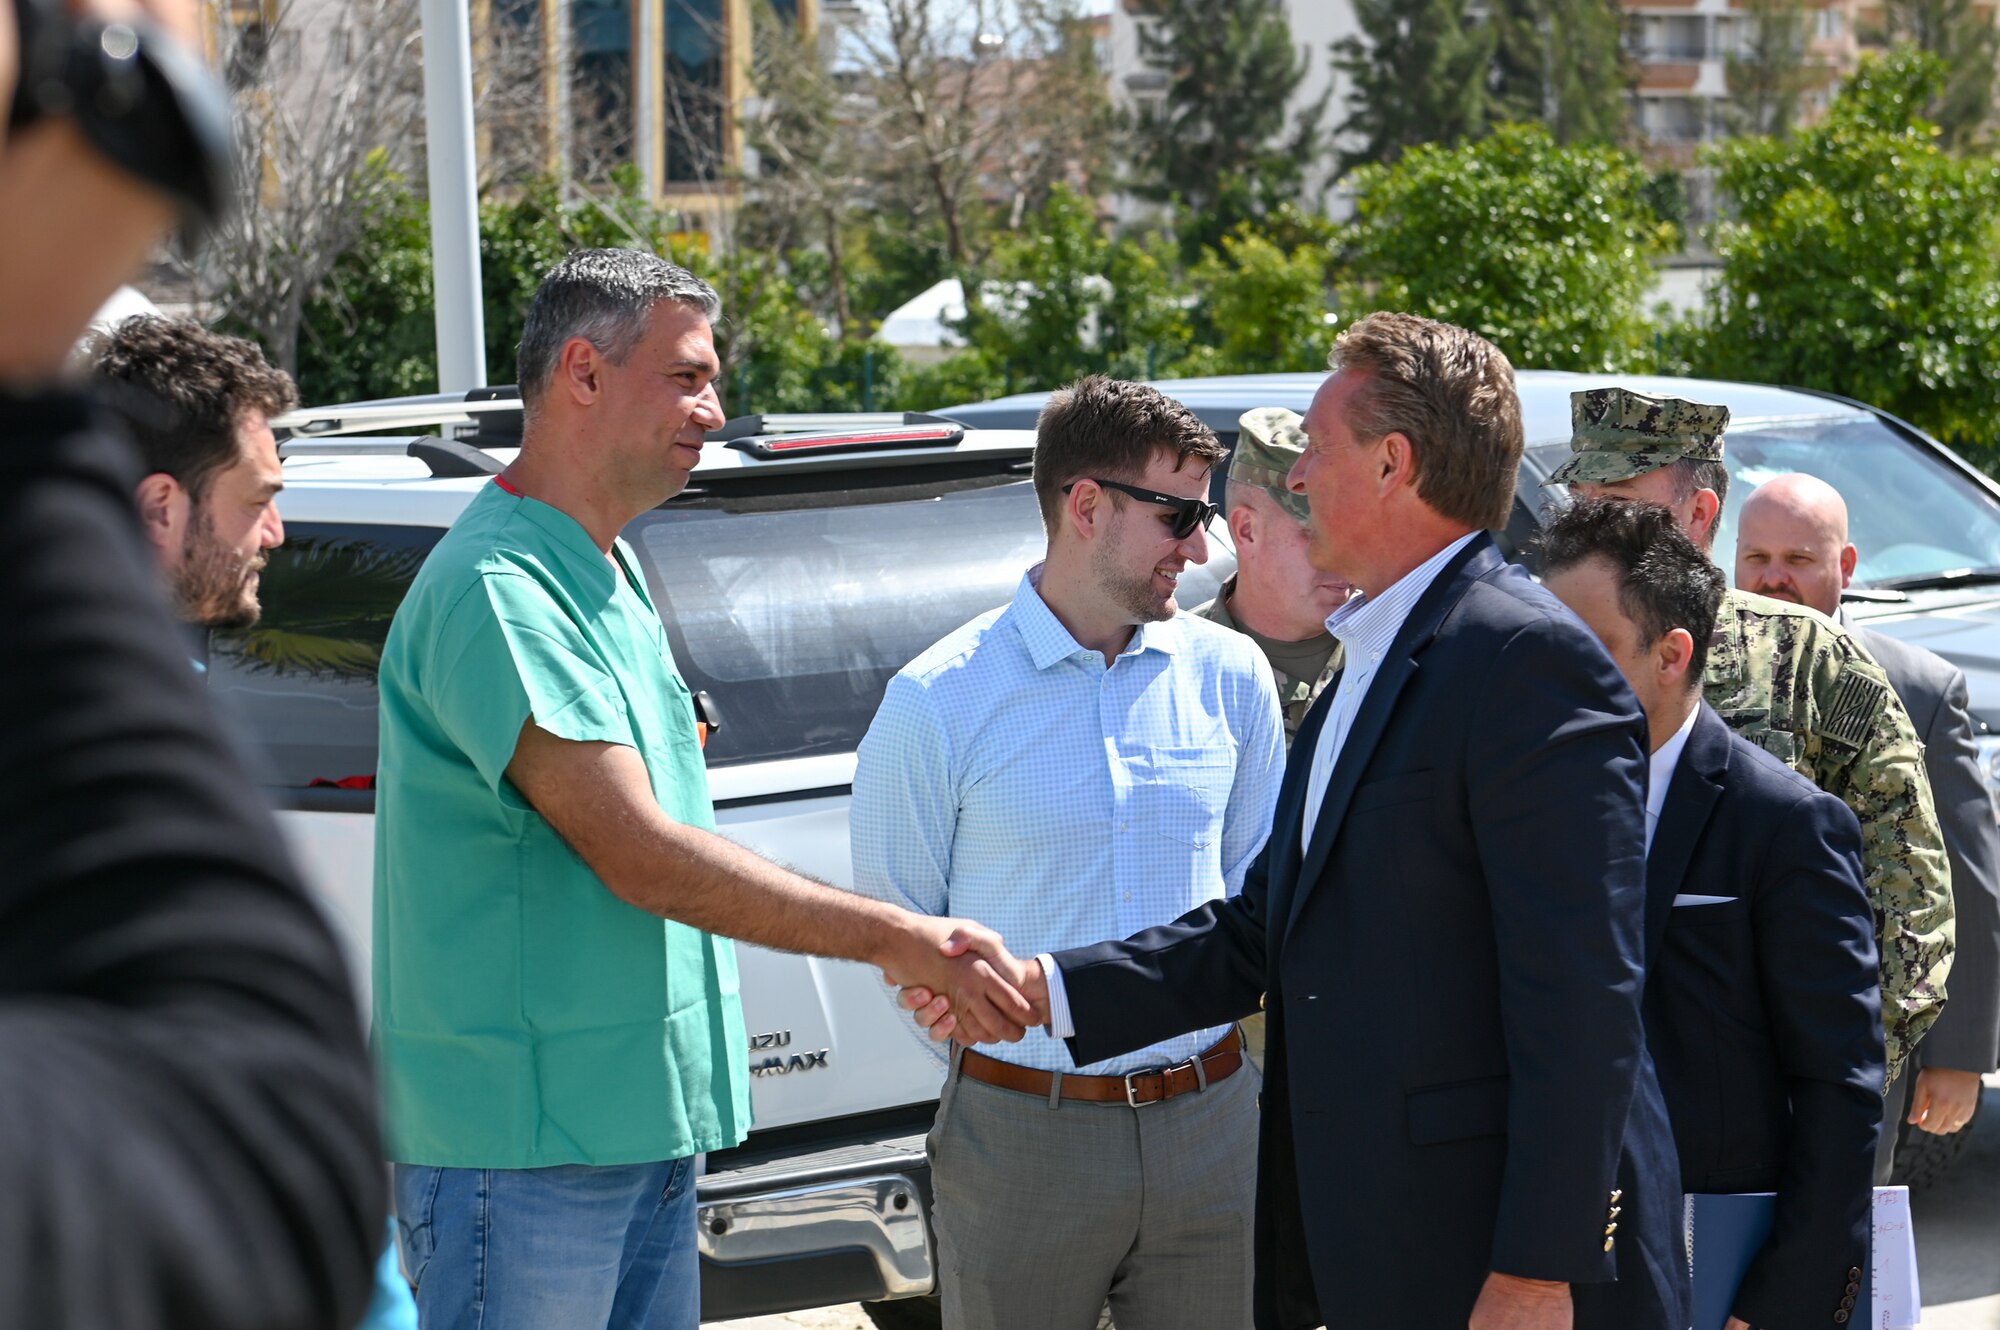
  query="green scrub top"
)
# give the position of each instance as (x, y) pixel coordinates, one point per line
(524, 1015)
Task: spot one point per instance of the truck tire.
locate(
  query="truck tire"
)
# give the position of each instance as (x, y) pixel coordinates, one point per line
(1922, 1158)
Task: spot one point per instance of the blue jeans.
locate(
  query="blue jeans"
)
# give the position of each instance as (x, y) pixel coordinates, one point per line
(540, 1248)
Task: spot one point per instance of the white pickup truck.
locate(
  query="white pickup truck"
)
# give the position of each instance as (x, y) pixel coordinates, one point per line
(808, 560)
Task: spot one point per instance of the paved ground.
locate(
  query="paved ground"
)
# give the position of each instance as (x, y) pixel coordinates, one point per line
(1958, 1245)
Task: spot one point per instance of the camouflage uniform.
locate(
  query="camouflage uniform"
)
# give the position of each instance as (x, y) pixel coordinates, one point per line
(1267, 445)
(1799, 686)
(1295, 696)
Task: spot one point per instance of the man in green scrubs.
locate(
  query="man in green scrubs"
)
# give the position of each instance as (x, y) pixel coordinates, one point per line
(556, 1006)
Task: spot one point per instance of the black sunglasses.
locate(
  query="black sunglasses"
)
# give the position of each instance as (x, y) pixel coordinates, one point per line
(1188, 513)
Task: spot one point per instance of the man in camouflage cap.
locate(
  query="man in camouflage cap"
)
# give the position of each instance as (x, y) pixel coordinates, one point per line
(1276, 597)
(1796, 684)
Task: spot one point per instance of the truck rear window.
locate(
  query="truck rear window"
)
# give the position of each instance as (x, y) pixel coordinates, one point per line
(791, 610)
(795, 618)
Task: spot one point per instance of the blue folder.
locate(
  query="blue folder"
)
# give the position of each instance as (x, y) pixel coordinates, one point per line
(1724, 1234)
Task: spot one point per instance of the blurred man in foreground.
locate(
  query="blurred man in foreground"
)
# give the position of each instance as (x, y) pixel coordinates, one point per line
(187, 1122)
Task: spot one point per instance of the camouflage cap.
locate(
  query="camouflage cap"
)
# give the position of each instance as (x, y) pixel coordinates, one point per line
(1268, 443)
(1618, 434)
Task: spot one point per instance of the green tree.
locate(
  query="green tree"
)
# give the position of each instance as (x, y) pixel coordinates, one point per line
(1146, 327)
(1037, 309)
(1263, 306)
(1968, 43)
(1419, 71)
(372, 334)
(1769, 76)
(1226, 144)
(1563, 62)
(370, 331)
(1542, 248)
(1864, 259)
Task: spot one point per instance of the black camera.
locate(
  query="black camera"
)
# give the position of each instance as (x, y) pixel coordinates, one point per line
(137, 96)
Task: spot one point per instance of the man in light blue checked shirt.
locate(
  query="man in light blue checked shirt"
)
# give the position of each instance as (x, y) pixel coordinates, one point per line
(1086, 762)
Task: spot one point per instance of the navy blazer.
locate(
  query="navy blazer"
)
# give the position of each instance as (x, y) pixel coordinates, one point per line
(1764, 1013)
(1456, 1079)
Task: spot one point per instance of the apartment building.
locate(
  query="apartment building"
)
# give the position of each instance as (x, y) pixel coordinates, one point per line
(1136, 62)
(657, 84)
(574, 88)
(1684, 50)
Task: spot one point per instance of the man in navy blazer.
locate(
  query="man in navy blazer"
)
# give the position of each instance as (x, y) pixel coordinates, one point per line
(1460, 1123)
(1762, 1001)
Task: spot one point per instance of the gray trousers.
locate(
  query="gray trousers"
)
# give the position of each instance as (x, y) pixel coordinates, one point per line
(1043, 1212)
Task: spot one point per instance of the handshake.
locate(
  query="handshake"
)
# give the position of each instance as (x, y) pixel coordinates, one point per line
(963, 984)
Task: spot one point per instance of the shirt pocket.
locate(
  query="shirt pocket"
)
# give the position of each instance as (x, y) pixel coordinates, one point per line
(1182, 793)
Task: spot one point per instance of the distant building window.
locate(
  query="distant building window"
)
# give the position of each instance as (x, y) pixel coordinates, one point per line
(602, 91)
(697, 91)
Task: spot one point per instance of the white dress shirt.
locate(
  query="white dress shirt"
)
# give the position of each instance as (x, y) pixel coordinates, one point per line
(1013, 777)
(1367, 627)
(1660, 773)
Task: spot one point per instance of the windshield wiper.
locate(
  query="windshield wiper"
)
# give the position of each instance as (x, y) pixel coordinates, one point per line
(1951, 577)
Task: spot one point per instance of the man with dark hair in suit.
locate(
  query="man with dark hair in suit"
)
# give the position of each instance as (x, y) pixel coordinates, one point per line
(1791, 544)
(1762, 1004)
(1461, 1125)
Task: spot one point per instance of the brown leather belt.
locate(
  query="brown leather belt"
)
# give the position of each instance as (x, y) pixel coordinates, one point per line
(1138, 1089)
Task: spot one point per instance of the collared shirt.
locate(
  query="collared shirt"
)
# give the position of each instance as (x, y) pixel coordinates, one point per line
(1366, 627)
(1013, 777)
(1660, 773)
(524, 1014)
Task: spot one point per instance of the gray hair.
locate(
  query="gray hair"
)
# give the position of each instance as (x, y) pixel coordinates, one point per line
(604, 296)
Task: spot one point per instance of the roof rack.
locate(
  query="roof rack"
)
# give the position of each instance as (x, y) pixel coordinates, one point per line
(487, 413)
(491, 418)
(447, 458)
(820, 422)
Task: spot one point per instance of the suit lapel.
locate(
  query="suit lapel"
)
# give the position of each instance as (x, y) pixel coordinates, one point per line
(1377, 705)
(1697, 783)
(1283, 847)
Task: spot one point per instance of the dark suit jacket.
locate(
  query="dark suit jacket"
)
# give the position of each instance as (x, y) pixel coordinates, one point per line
(1456, 1079)
(187, 1117)
(1967, 1034)
(1764, 1014)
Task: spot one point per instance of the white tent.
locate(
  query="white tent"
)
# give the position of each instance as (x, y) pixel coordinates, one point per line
(920, 328)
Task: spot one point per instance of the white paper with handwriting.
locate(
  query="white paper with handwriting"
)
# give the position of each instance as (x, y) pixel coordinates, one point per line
(1899, 1302)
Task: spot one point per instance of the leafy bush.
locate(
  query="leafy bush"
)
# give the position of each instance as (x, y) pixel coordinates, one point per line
(1863, 259)
(1542, 248)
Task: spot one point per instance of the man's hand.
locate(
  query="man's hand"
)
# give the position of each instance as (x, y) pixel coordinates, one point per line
(965, 970)
(1942, 1100)
(1509, 1302)
(1736, 1323)
(936, 1011)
